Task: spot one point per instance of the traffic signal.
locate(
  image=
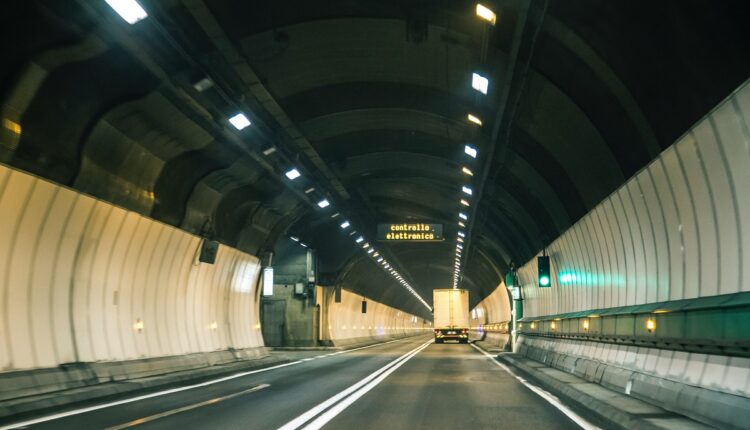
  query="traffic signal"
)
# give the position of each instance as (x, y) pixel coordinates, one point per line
(545, 280)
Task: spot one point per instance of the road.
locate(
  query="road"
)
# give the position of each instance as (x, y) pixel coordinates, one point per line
(406, 384)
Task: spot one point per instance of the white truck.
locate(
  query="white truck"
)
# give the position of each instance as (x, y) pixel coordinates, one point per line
(451, 313)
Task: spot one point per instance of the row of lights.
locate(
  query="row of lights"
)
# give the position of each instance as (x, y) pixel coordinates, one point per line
(373, 253)
(481, 84)
(132, 12)
(650, 324)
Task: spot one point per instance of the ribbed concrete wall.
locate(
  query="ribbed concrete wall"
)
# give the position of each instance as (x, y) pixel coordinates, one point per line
(347, 322)
(78, 274)
(673, 231)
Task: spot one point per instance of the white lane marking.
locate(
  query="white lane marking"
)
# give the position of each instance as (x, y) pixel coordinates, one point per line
(57, 416)
(546, 395)
(337, 409)
(307, 416)
(155, 417)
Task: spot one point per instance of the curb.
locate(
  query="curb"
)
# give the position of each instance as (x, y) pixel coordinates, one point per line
(593, 409)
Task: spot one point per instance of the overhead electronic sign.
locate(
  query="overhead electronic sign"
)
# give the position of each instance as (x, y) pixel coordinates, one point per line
(410, 232)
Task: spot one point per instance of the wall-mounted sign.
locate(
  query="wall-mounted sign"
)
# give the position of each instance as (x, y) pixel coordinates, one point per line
(410, 232)
(268, 281)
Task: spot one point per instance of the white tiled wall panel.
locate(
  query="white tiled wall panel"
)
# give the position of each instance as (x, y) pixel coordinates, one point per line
(77, 273)
(346, 320)
(494, 308)
(673, 231)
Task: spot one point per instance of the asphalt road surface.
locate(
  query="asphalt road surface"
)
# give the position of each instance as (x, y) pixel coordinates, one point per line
(406, 384)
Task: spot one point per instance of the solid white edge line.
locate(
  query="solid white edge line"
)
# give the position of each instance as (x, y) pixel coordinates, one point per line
(546, 395)
(175, 390)
(320, 407)
(330, 414)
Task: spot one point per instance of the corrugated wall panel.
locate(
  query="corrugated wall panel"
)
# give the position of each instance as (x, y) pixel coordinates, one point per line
(76, 274)
(673, 231)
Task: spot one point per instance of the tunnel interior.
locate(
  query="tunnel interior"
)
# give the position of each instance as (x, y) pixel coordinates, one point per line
(161, 172)
(369, 101)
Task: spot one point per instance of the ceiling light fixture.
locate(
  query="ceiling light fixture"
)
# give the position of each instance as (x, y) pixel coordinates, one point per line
(467, 190)
(467, 171)
(470, 151)
(129, 10)
(486, 13)
(480, 83)
(323, 203)
(239, 121)
(292, 174)
(474, 119)
(464, 202)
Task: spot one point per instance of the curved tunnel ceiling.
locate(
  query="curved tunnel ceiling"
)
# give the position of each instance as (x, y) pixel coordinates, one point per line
(369, 100)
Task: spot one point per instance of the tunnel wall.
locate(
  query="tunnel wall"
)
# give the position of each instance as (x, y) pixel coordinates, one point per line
(490, 317)
(346, 324)
(670, 246)
(494, 308)
(673, 231)
(77, 274)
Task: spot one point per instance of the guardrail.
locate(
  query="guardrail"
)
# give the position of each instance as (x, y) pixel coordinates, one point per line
(712, 325)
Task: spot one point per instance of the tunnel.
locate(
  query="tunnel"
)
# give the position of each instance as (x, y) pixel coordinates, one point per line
(245, 214)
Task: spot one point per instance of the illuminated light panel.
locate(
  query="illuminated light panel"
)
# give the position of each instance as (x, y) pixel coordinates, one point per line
(309, 190)
(462, 234)
(486, 13)
(463, 216)
(239, 121)
(292, 174)
(360, 239)
(466, 171)
(464, 202)
(474, 119)
(335, 215)
(460, 239)
(376, 254)
(369, 251)
(461, 224)
(470, 151)
(480, 83)
(269, 151)
(459, 246)
(203, 85)
(129, 10)
(345, 224)
(324, 203)
(12, 126)
(366, 245)
(294, 238)
(467, 190)
(303, 244)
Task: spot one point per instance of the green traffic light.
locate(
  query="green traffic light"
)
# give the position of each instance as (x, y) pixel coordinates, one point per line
(544, 281)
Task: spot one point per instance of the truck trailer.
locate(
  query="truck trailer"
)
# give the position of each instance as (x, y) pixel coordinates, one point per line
(451, 315)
